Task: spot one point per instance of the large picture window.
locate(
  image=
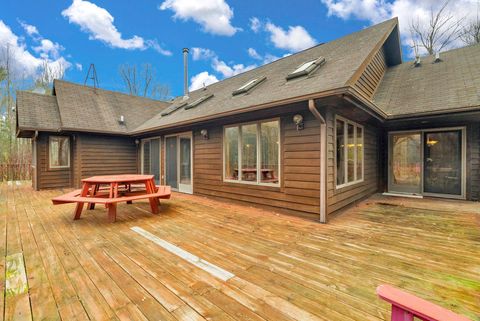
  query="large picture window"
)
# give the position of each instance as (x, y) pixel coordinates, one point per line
(59, 151)
(349, 152)
(252, 153)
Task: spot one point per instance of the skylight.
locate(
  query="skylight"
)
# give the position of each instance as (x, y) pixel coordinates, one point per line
(172, 109)
(249, 85)
(198, 101)
(306, 68)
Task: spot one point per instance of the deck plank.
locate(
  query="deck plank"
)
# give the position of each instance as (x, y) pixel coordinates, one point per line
(285, 268)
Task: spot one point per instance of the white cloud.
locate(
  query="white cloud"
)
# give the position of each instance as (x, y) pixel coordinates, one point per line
(156, 46)
(294, 39)
(23, 61)
(29, 29)
(255, 24)
(375, 11)
(202, 53)
(254, 54)
(48, 48)
(229, 70)
(98, 23)
(78, 66)
(203, 78)
(213, 15)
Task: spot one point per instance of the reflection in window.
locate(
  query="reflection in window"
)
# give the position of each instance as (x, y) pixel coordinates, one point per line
(349, 152)
(359, 143)
(231, 153)
(249, 152)
(247, 145)
(59, 152)
(270, 136)
(340, 125)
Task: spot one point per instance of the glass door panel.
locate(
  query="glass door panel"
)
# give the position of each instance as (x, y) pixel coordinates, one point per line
(405, 170)
(171, 173)
(155, 159)
(443, 162)
(185, 165)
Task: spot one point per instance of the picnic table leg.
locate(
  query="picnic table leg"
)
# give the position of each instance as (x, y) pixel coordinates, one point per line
(91, 206)
(112, 212)
(153, 201)
(79, 207)
(399, 314)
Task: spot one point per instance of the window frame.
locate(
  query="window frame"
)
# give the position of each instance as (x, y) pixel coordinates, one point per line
(142, 146)
(55, 167)
(258, 124)
(355, 125)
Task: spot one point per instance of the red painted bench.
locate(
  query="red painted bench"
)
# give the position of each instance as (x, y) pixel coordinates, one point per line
(406, 306)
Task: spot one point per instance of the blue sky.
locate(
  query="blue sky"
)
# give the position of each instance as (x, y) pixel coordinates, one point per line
(82, 32)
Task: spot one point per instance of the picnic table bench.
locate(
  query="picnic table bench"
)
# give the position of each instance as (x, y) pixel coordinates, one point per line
(112, 189)
(406, 307)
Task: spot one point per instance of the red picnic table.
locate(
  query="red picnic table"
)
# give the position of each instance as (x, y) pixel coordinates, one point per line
(112, 189)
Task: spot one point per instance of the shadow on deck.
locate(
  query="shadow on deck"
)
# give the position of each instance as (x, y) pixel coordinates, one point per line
(282, 268)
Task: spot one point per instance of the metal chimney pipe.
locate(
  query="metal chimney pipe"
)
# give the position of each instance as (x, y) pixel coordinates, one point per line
(185, 72)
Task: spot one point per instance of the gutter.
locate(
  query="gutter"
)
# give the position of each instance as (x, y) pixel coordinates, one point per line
(323, 160)
(324, 94)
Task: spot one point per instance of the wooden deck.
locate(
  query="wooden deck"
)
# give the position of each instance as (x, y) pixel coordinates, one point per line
(284, 268)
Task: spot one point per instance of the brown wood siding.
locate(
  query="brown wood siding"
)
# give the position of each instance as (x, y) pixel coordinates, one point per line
(369, 80)
(104, 155)
(300, 160)
(473, 162)
(341, 197)
(46, 177)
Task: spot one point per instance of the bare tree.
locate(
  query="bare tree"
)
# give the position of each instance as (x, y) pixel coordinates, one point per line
(142, 81)
(470, 33)
(441, 30)
(48, 73)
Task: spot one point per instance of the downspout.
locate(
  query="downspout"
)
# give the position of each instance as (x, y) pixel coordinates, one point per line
(323, 160)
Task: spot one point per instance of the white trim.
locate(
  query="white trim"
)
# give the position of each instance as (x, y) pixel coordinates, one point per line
(142, 143)
(345, 151)
(258, 124)
(214, 270)
(50, 166)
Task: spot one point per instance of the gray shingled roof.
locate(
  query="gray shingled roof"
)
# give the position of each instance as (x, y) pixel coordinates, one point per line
(450, 85)
(89, 109)
(343, 57)
(37, 112)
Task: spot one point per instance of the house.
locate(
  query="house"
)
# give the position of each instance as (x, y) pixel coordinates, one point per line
(308, 134)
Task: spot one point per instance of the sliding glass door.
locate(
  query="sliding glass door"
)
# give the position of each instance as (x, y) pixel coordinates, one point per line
(405, 163)
(427, 162)
(443, 162)
(151, 158)
(178, 162)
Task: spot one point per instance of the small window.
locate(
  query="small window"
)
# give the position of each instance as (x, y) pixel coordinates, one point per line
(306, 68)
(198, 101)
(59, 152)
(349, 152)
(172, 109)
(252, 153)
(249, 85)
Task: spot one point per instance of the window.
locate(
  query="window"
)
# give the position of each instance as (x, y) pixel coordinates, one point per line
(249, 85)
(306, 68)
(252, 153)
(198, 101)
(59, 152)
(349, 152)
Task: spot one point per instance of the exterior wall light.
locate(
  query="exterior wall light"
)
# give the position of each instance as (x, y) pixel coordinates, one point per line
(204, 133)
(137, 141)
(298, 121)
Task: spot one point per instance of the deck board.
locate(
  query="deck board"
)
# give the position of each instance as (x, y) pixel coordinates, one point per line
(285, 268)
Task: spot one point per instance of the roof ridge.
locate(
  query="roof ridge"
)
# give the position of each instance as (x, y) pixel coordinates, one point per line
(108, 91)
